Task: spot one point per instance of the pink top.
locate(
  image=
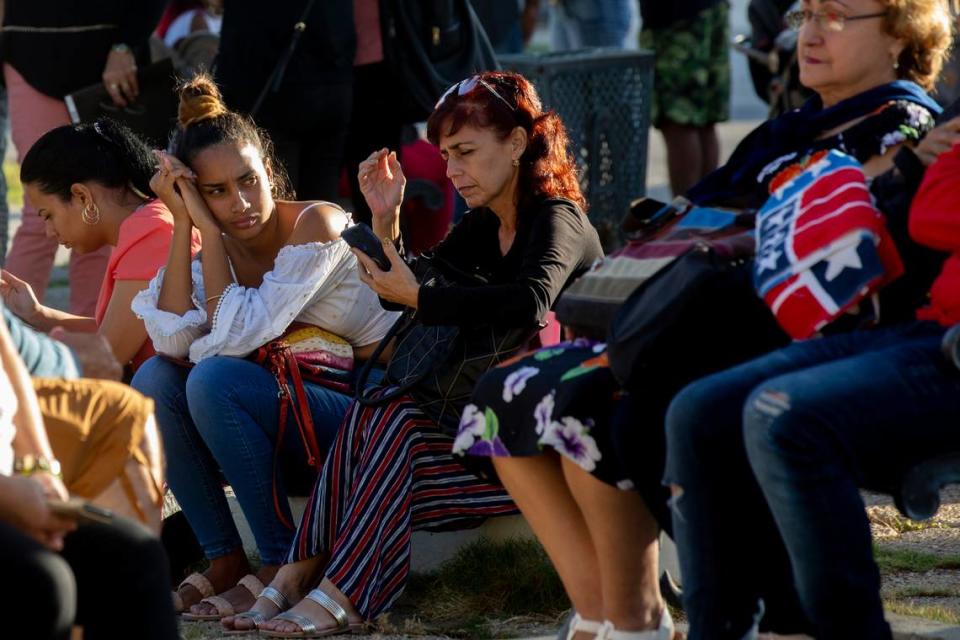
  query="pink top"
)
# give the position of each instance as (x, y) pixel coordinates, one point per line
(366, 20)
(141, 250)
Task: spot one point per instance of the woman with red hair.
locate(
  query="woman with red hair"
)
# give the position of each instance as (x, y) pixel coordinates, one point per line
(391, 470)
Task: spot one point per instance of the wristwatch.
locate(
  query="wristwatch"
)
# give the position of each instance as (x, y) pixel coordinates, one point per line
(30, 464)
(121, 48)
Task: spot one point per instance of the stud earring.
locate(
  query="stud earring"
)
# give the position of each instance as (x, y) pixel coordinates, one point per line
(896, 64)
(90, 214)
(516, 162)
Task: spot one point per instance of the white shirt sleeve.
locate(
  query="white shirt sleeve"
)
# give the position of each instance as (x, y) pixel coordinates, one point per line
(172, 334)
(247, 318)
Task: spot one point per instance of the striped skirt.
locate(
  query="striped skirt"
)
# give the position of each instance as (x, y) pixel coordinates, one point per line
(390, 472)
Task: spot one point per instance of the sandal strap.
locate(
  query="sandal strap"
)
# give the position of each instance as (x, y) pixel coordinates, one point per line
(664, 630)
(221, 604)
(579, 623)
(333, 608)
(276, 597)
(256, 616)
(252, 584)
(306, 624)
(199, 582)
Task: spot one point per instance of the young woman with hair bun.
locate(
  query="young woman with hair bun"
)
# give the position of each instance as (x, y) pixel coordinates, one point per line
(266, 262)
(391, 470)
(90, 184)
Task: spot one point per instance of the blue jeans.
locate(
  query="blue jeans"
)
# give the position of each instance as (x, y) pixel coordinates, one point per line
(578, 24)
(219, 423)
(768, 457)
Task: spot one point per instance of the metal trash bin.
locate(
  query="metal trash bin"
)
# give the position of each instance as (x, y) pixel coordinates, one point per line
(603, 97)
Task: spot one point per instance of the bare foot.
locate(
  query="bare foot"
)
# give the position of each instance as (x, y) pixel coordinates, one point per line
(292, 580)
(239, 596)
(320, 617)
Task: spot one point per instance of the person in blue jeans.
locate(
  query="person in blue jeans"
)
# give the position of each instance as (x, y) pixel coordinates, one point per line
(765, 460)
(265, 263)
(579, 24)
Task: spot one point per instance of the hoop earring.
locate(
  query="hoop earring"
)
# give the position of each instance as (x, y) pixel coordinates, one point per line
(90, 214)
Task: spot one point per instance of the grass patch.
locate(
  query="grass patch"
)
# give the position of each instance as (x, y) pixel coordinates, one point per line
(907, 608)
(484, 591)
(900, 524)
(925, 592)
(908, 560)
(11, 170)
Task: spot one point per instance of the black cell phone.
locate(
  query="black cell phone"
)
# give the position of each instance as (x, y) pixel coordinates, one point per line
(360, 236)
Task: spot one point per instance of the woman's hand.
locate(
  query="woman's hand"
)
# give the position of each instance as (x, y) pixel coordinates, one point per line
(941, 139)
(120, 76)
(20, 298)
(197, 207)
(382, 183)
(25, 507)
(397, 285)
(164, 184)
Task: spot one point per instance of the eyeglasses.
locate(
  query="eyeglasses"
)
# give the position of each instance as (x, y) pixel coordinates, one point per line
(826, 20)
(467, 85)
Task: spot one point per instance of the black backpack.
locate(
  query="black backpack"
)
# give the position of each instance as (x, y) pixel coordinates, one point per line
(429, 45)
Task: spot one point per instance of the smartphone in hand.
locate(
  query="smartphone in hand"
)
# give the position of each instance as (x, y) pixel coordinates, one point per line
(80, 510)
(360, 236)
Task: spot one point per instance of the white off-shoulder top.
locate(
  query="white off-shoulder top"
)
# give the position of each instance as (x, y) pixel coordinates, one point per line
(316, 283)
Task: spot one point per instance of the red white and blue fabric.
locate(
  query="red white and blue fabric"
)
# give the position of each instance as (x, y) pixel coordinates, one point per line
(822, 245)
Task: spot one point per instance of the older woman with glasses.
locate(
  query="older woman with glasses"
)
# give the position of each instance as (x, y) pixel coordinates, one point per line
(391, 469)
(869, 63)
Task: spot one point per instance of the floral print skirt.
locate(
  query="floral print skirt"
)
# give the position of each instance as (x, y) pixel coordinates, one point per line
(562, 398)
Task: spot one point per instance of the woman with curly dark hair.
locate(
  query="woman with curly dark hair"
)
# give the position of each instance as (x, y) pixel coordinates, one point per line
(391, 469)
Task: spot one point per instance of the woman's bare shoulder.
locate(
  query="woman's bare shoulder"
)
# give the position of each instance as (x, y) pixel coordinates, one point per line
(313, 220)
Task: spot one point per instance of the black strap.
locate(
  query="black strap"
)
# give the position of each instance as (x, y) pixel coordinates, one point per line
(359, 392)
(276, 76)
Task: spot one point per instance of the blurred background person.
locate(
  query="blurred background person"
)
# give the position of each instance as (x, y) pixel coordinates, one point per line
(52, 48)
(691, 82)
(306, 110)
(578, 24)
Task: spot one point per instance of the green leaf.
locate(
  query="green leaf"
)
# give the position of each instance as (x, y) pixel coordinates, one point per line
(546, 354)
(576, 371)
(492, 425)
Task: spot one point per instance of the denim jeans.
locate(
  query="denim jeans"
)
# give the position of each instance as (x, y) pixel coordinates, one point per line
(577, 24)
(219, 423)
(768, 457)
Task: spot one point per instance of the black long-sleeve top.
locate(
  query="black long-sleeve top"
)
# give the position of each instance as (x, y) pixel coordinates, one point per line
(554, 244)
(59, 46)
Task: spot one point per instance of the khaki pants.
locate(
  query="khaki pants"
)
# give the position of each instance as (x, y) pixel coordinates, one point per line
(106, 439)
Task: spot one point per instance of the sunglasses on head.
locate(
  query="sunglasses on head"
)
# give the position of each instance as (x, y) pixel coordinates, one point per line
(467, 85)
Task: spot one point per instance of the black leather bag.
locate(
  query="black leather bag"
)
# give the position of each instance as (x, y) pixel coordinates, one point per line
(698, 315)
(429, 45)
(439, 365)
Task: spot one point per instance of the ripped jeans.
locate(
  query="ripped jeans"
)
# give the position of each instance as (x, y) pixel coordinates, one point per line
(767, 459)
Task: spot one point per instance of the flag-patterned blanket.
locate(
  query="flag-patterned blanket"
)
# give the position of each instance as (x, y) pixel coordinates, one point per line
(822, 245)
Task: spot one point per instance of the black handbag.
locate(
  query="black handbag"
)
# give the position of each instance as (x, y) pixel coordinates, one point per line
(150, 116)
(698, 315)
(439, 365)
(429, 45)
